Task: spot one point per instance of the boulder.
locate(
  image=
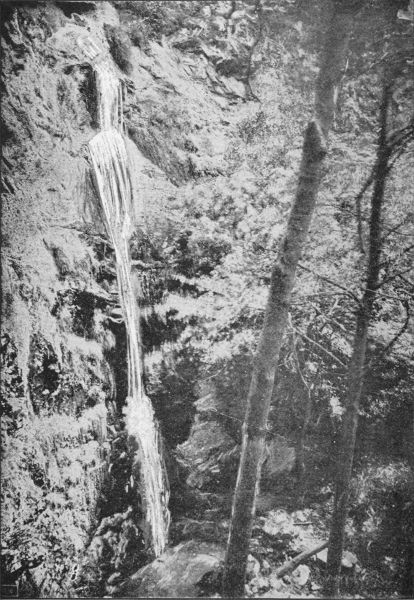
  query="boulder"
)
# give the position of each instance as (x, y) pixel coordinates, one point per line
(176, 573)
(259, 584)
(204, 453)
(300, 575)
(253, 567)
(349, 559)
(280, 458)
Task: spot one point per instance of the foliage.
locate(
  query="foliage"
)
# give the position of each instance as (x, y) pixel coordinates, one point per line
(204, 284)
(382, 512)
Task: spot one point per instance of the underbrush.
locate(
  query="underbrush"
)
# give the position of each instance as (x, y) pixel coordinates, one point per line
(379, 529)
(382, 512)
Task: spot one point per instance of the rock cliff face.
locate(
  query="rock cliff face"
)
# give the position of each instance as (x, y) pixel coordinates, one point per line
(65, 455)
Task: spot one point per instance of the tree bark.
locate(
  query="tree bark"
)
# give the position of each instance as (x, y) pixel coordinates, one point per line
(300, 450)
(356, 368)
(282, 281)
(307, 412)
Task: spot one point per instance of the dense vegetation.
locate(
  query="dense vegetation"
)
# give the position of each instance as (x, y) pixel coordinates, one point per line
(204, 260)
(234, 228)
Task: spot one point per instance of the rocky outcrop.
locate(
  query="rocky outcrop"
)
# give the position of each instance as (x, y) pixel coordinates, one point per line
(59, 384)
(177, 573)
(63, 344)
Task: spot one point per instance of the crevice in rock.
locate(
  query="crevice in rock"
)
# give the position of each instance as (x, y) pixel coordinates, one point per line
(75, 7)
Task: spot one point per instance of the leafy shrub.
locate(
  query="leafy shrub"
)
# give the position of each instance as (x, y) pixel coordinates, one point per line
(138, 35)
(120, 47)
(382, 509)
(158, 17)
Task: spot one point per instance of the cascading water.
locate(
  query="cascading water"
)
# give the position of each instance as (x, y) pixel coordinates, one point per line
(110, 165)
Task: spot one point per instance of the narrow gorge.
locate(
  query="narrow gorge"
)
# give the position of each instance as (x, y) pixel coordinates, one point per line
(111, 170)
(150, 158)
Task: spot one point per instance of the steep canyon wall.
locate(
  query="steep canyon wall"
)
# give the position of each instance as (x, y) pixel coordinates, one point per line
(63, 341)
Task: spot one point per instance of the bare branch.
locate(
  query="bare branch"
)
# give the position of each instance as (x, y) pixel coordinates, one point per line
(388, 263)
(259, 10)
(331, 282)
(315, 343)
(399, 333)
(411, 283)
(401, 136)
(301, 558)
(393, 230)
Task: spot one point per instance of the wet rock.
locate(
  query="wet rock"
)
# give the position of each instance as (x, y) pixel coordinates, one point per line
(259, 584)
(273, 593)
(279, 458)
(349, 560)
(176, 573)
(275, 583)
(266, 567)
(279, 524)
(203, 452)
(114, 578)
(207, 531)
(253, 567)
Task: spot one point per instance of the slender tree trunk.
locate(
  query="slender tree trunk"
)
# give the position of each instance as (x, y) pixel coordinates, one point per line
(282, 281)
(409, 584)
(300, 451)
(356, 368)
(300, 466)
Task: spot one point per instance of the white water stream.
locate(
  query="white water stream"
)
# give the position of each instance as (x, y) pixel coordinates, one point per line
(110, 165)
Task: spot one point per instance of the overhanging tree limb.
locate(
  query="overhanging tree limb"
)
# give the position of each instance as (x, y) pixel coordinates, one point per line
(281, 285)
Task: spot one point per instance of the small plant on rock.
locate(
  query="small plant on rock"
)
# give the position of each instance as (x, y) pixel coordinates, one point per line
(119, 47)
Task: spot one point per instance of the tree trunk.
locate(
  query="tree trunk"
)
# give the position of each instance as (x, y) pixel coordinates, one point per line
(409, 578)
(300, 466)
(282, 281)
(300, 450)
(356, 368)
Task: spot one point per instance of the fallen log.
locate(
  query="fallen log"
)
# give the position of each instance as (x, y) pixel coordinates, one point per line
(299, 559)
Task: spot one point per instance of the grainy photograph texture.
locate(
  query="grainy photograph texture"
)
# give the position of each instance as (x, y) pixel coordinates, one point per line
(207, 349)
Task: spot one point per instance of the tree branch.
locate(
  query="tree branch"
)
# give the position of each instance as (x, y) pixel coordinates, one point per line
(299, 559)
(393, 230)
(315, 343)
(259, 10)
(331, 282)
(399, 333)
(411, 283)
(358, 201)
(397, 143)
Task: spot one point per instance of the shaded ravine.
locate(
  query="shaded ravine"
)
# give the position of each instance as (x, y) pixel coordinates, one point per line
(111, 174)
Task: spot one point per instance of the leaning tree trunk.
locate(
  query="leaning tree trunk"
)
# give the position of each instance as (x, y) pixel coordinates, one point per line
(356, 368)
(282, 281)
(410, 560)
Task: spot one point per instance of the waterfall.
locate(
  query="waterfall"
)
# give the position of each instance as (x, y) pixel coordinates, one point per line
(110, 166)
